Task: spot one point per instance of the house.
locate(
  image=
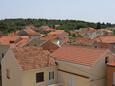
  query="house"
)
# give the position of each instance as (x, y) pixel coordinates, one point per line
(5, 40)
(14, 41)
(88, 32)
(38, 42)
(28, 32)
(84, 41)
(9, 40)
(82, 66)
(46, 29)
(104, 32)
(14, 33)
(58, 37)
(23, 67)
(22, 41)
(105, 42)
(111, 74)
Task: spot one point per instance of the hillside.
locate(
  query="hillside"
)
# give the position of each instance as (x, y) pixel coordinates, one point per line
(10, 25)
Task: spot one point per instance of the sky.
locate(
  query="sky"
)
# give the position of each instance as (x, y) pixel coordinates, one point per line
(87, 10)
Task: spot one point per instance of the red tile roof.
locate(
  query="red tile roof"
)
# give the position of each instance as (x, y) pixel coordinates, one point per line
(83, 40)
(49, 46)
(105, 30)
(49, 29)
(22, 42)
(56, 32)
(105, 39)
(31, 31)
(29, 60)
(7, 39)
(50, 37)
(111, 64)
(78, 55)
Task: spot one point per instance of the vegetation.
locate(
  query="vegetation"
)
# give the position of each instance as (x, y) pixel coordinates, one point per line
(10, 25)
(113, 32)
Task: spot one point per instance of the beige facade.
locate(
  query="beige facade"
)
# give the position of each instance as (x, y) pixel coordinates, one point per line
(80, 75)
(18, 77)
(70, 74)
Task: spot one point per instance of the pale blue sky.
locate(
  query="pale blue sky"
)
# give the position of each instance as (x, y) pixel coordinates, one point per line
(88, 10)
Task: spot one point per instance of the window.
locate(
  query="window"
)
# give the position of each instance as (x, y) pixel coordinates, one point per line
(40, 77)
(106, 59)
(51, 75)
(96, 46)
(2, 55)
(8, 74)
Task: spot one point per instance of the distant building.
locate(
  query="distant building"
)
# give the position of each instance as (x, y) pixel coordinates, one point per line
(58, 37)
(104, 32)
(38, 42)
(13, 41)
(105, 42)
(84, 41)
(28, 32)
(88, 32)
(46, 29)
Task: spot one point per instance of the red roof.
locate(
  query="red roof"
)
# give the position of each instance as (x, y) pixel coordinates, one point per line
(22, 42)
(111, 64)
(105, 39)
(7, 39)
(49, 29)
(29, 60)
(84, 40)
(56, 32)
(31, 31)
(78, 55)
(50, 37)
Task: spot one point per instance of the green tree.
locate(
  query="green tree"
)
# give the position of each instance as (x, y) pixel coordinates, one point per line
(98, 25)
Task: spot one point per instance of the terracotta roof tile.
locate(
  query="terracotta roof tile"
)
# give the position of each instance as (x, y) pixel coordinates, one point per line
(31, 31)
(50, 37)
(105, 39)
(78, 55)
(7, 39)
(22, 42)
(84, 40)
(33, 60)
(56, 32)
